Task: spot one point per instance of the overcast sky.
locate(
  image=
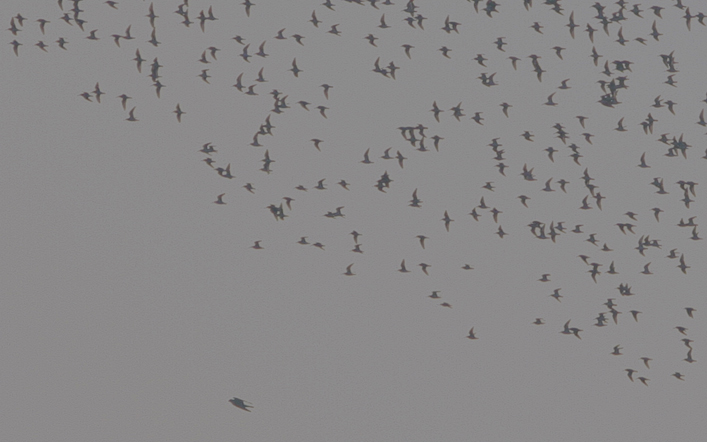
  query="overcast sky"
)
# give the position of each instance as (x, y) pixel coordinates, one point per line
(134, 308)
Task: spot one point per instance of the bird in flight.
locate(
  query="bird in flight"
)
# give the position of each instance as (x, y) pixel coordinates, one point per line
(402, 268)
(131, 115)
(240, 403)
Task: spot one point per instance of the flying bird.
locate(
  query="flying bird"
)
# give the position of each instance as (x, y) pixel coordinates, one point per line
(247, 4)
(447, 220)
(240, 403)
(179, 113)
(131, 115)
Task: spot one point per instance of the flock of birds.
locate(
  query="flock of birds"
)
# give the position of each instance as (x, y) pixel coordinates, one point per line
(613, 81)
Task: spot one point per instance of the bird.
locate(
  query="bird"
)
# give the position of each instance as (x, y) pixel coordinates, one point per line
(261, 51)
(566, 329)
(447, 220)
(179, 113)
(689, 357)
(15, 44)
(240, 403)
(620, 127)
(348, 271)
(151, 15)
(247, 4)
(682, 266)
(436, 110)
(139, 60)
(646, 271)
(123, 100)
(366, 159)
(424, 267)
(645, 361)
(402, 268)
(131, 116)
(383, 24)
(298, 38)
(334, 30)
(505, 107)
(400, 159)
(326, 90)
(295, 70)
(314, 19)
(415, 201)
(422, 239)
(630, 372)
(471, 334)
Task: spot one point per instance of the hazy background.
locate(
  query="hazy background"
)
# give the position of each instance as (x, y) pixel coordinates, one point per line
(133, 307)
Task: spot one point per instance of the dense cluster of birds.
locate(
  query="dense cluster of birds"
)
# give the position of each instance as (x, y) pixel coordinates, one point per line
(417, 138)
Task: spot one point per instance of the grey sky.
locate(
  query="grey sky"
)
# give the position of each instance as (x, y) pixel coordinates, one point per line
(133, 308)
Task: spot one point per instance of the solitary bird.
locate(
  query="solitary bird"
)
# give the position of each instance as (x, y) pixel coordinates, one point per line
(240, 403)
